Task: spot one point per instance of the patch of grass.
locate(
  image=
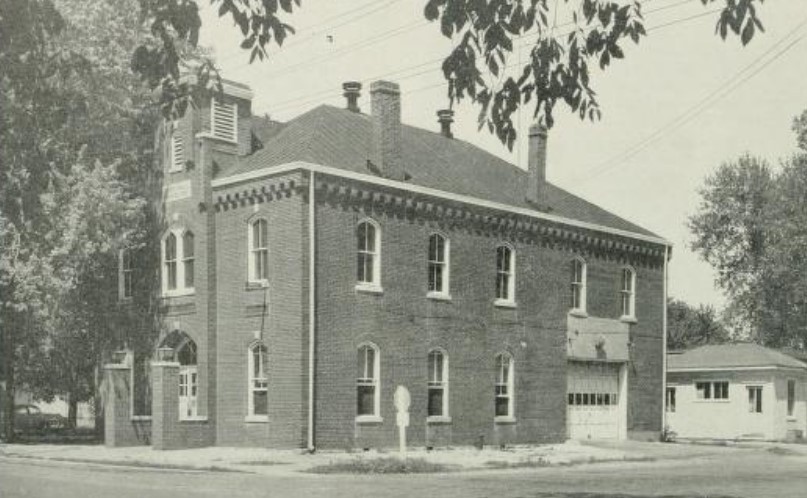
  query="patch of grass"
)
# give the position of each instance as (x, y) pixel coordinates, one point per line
(132, 463)
(778, 450)
(527, 463)
(261, 462)
(386, 465)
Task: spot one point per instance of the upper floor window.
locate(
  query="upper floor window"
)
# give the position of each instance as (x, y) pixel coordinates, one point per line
(125, 274)
(504, 385)
(505, 274)
(259, 251)
(578, 285)
(258, 389)
(438, 384)
(627, 293)
(177, 152)
(178, 262)
(368, 254)
(224, 120)
(367, 382)
(438, 269)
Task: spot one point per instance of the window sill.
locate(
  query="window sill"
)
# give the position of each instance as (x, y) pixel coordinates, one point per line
(504, 420)
(369, 419)
(438, 296)
(125, 300)
(369, 288)
(256, 419)
(504, 303)
(140, 418)
(176, 170)
(438, 419)
(257, 284)
(178, 293)
(791, 418)
(197, 418)
(628, 319)
(578, 313)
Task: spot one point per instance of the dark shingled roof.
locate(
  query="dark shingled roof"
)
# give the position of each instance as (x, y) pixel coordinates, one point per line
(731, 356)
(339, 138)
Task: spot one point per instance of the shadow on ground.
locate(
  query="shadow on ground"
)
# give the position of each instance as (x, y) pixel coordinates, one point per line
(616, 495)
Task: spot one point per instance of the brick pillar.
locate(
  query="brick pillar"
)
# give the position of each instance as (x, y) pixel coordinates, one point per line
(165, 405)
(118, 429)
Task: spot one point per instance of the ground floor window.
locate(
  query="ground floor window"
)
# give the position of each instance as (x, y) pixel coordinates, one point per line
(258, 381)
(438, 384)
(755, 399)
(188, 380)
(791, 397)
(367, 380)
(712, 390)
(504, 385)
(669, 400)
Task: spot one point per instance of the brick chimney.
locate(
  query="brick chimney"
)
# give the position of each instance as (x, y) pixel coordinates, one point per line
(536, 170)
(352, 92)
(385, 100)
(445, 117)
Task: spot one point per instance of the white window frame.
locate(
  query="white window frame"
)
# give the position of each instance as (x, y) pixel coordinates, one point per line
(188, 386)
(188, 260)
(756, 402)
(712, 391)
(220, 134)
(373, 285)
(257, 383)
(375, 382)
(508, 383)
(255, 252)
(437, 265)
(670, 399)
(125, 275)
(790, 398)
(510, 274)
(435, 382)
(579, 286)
(627, 293)
(180, 260)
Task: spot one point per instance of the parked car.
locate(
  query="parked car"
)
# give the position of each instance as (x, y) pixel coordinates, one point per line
(29, 418)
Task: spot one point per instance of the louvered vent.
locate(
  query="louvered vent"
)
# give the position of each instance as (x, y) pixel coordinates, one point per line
(225, 121)
(177, 153)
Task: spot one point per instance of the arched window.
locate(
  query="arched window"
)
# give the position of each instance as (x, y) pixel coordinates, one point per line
(504, 385)
(578, 283)
(627, 292)
(505, 274)
(188, 380)
(126, 268)
(368, 382)
(187, 258)
(368, 254)
(259, 251)
(170, 262)
(258, 402)
(438, 384)
(438, 269)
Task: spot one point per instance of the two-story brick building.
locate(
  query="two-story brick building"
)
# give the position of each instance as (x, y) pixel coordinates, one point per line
(310, 268)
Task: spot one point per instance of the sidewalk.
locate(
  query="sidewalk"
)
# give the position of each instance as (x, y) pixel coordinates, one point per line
(276, 462)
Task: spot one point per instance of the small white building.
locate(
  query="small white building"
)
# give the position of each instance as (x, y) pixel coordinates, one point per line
(736, 391)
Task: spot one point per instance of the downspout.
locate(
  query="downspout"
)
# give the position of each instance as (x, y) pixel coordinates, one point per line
(311, 308)
(664, 347)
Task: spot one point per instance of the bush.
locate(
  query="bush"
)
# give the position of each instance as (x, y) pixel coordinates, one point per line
(386, 465)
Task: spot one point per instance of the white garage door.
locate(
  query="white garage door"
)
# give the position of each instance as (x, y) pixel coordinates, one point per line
(593, 400)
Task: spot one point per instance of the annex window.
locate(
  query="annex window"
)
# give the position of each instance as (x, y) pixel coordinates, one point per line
(438, 384)
(187, 259)
(224, 120)
(188, 380)
(259, 251)
(367, 382)
(627, 293)
(791, 397)
(754, 399)
(438, 269)
(125, 274)
(505, 274)
(177, 152)
(170, 262)
(669, 400)
(258, 381)
(578, 283)
(368, 255)
(712, 390)
(504, 385)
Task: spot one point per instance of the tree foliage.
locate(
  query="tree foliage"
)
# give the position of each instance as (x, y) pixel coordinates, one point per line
(688, 326)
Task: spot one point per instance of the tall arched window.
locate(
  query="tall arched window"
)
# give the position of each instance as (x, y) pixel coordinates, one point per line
(438, 384)
(259, 251)
(504, 385)
(578, 284)
(438, 268)
(368, 382)
(188, 380)
(505, 274)
(170, 262)
(188, 258)
(368, 255)
(258, 390)
(627, 292)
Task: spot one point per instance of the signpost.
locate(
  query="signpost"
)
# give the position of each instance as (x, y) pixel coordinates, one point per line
(402, 401)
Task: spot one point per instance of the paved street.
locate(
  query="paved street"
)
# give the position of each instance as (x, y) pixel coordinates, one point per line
(752, 473)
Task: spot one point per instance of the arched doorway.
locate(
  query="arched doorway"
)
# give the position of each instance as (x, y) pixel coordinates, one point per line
(184, 349)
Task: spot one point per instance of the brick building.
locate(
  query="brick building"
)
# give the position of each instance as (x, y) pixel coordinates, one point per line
(310, 268)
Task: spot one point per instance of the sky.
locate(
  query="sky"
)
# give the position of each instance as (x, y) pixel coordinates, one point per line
(681, 102)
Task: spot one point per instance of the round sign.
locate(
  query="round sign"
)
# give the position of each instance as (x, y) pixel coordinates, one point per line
(402, 399)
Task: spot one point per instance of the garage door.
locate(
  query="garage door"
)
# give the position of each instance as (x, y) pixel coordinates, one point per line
(593, 400)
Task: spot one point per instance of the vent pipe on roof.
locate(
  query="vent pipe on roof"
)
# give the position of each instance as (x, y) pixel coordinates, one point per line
(385, 100)
(536, 165)
(352, 92)
(445, 117)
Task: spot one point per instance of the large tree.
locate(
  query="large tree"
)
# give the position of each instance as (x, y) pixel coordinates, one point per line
(689, 326)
